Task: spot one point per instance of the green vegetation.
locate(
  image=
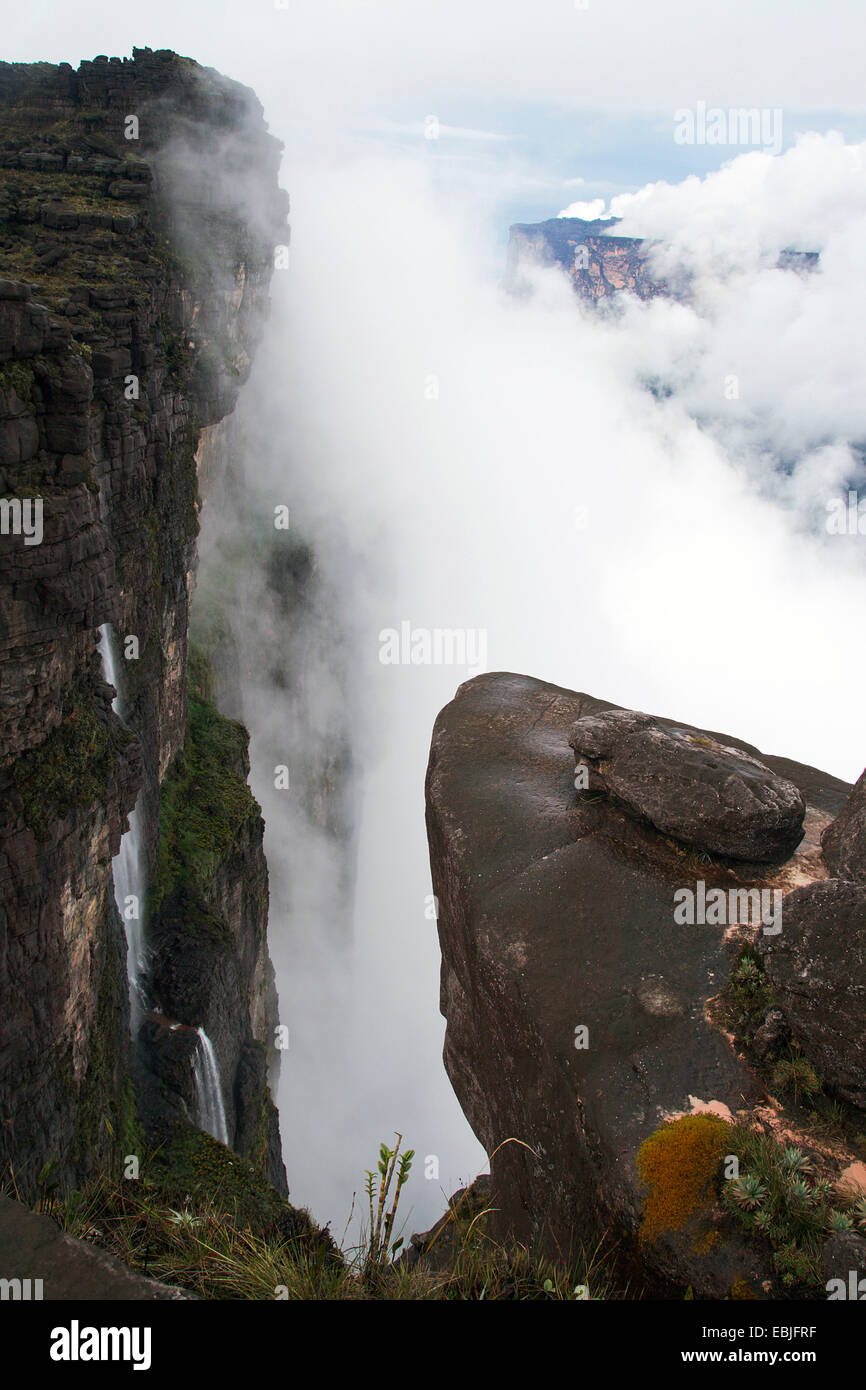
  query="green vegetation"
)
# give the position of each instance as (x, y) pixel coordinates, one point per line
(201, 1218)
(748, 1000)
(204, 802)
(200, 673)
(106, 1121)
(177, 358)
(189, 1165)
(750, 995)
(18, 377)
(71, 768)
(781, 1197)
(378, 1188)
(797, 1077)
(219, 356)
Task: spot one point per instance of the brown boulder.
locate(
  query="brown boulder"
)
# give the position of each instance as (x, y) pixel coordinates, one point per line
(555, 914)
(688, 784)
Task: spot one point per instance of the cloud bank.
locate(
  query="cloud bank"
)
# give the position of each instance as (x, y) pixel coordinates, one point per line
(577, 486)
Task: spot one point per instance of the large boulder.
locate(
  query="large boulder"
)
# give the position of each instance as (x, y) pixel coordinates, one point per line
(844, 842)
(817, 965)
(576, 1006)
(687, 784)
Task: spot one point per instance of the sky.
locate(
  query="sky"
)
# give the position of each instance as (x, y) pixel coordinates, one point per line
(531, 97)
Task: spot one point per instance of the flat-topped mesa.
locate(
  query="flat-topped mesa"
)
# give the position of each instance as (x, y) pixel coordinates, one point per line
(687, 784)
(599, 263)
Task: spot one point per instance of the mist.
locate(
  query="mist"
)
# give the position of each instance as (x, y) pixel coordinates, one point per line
(579, 489)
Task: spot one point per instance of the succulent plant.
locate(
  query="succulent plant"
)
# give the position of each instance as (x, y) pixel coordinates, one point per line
(839, 1221)
(748, 1192)
(795, 1161)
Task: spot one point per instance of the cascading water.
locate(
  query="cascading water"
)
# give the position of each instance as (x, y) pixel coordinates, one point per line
(210, 1110)
(127, 866)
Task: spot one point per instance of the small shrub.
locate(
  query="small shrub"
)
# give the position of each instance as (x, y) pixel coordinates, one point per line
(797, 1077)
(749, 996)
(392, 1164)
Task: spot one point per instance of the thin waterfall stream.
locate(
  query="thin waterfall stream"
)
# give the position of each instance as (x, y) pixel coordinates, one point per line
(128, 864)
(210, 1108)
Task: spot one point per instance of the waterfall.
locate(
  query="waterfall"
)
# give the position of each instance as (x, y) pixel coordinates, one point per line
(210, 1110)
(127, 866)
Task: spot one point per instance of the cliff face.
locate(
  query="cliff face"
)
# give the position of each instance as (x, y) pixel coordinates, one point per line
(597, 263)
(139, 209)
(208, 941)
(583, 1014)
(601, 264)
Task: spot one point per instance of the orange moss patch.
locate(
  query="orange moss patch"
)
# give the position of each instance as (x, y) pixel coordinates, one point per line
(742, 1289)
(680, 1164)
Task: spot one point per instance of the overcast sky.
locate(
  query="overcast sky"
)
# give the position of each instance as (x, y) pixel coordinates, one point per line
(533, 98)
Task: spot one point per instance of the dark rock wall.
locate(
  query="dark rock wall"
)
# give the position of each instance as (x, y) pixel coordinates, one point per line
(135, 282)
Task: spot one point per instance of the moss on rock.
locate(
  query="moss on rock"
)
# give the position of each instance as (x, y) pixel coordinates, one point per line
(680, 1165)
(190, 1164)
(204, 802)
(72, 767)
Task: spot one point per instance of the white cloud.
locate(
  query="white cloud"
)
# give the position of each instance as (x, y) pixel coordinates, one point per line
(595, 208)
(686, 590)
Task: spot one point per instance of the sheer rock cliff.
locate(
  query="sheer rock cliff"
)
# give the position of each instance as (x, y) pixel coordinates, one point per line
(139, 211)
